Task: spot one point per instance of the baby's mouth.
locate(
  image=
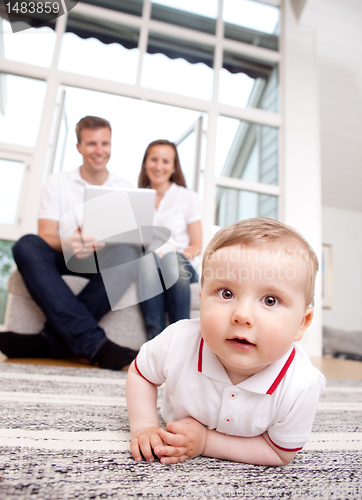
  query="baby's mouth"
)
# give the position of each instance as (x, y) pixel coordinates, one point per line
(242, 341)
(241, 344)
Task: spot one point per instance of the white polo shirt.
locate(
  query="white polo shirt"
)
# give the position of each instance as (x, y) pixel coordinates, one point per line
(64, 191)
(281, 399)
(178, 207)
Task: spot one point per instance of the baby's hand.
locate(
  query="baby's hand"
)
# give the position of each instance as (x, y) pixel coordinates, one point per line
(144, 441)
(186, 439)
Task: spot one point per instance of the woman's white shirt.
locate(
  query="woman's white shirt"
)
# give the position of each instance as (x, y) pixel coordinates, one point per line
(178, 208)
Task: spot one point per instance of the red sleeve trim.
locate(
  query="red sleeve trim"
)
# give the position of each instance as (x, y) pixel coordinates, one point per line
(136, 366)
(284, 449)
(199, 365)
(281, 373)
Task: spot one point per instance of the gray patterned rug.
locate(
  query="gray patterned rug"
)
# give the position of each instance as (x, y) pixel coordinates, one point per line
(64, 435)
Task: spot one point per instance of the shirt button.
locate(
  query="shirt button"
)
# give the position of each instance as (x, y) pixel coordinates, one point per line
(233, 395)
(228, 420)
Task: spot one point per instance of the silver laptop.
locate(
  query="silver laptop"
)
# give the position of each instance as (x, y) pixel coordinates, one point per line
(119, 215)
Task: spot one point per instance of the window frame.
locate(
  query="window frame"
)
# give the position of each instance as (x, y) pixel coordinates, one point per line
(54, 78)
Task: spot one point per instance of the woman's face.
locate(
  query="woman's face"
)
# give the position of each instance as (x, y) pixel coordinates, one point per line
(160, 165)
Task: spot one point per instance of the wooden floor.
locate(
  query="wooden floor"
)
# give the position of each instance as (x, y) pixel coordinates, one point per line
(332, 368)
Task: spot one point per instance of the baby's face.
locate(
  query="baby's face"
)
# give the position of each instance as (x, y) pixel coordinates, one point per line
(253, 306)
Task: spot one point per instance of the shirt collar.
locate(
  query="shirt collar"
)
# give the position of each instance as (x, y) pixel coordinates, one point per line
(76, 176)
(263, 382)
(170, 190)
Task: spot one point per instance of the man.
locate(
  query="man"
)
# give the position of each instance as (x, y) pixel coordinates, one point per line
(72, 321)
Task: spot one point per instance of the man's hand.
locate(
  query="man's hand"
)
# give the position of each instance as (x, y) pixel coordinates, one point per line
(144, 441)
(185, 439)
(84, 246)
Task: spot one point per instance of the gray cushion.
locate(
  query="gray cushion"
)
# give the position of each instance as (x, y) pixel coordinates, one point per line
(124, 326)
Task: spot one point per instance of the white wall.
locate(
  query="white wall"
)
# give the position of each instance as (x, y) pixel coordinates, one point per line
(301, 152)
(343, 230)
(338, 26)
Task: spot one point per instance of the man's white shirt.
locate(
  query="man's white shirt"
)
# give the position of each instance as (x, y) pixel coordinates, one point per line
(64, 191)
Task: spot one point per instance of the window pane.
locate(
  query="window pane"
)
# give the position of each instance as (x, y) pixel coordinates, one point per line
(104, 49)
(247, 151)
(207, 9)
(6, 267)
(11, 173)
(252, 22)
(21, 106)
(33, 46)
(246, 82)
(182, 67)
(133, 7)
(233, 205)
(192, 14)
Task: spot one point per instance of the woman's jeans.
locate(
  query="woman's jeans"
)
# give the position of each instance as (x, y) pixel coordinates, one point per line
(175, 300)
(72, 321)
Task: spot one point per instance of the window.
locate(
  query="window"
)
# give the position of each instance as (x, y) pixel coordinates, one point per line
(21, 106)
(6, 267)
(233, 205)
(12, 173)
(248, 82)
(178, 66)
(96, 42)
(249, 151)
(133, 7)
(252, 22)
(38, 42)
(247, 171)
(192, 14)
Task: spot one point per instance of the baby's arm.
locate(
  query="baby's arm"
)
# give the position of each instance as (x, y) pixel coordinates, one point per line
(187, 438)
(256, 450)
(142, 410)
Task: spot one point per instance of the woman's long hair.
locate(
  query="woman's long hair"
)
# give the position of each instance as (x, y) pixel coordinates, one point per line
(177, 176)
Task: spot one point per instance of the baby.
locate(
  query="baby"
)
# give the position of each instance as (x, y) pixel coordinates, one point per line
(237, 386)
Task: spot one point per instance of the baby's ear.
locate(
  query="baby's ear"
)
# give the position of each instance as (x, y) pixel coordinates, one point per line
(200, 293)
(306, 321)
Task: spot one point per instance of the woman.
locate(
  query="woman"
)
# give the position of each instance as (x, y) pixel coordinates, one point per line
(180, 210)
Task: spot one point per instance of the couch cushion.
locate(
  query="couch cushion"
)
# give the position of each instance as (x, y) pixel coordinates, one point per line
(124, 326)
(16, 286)
(342, 343)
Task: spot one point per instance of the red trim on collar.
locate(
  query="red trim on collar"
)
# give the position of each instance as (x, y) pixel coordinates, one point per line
(281, 373)
(135, 364)
(199, 364)
(284, 449)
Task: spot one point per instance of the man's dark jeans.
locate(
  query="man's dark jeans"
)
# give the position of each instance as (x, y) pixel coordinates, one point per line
(72, 321)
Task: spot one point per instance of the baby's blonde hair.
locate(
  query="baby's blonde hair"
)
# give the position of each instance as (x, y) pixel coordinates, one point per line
(260, 230)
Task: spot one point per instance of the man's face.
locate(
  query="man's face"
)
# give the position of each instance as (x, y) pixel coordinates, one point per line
(95, 147)
(252, 307)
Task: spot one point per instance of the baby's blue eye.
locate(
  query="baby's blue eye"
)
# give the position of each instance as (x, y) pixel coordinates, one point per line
(224, 293)
(270, 301)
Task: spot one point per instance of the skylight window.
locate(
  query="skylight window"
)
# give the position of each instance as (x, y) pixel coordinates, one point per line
(250, 14)
(201, 7)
